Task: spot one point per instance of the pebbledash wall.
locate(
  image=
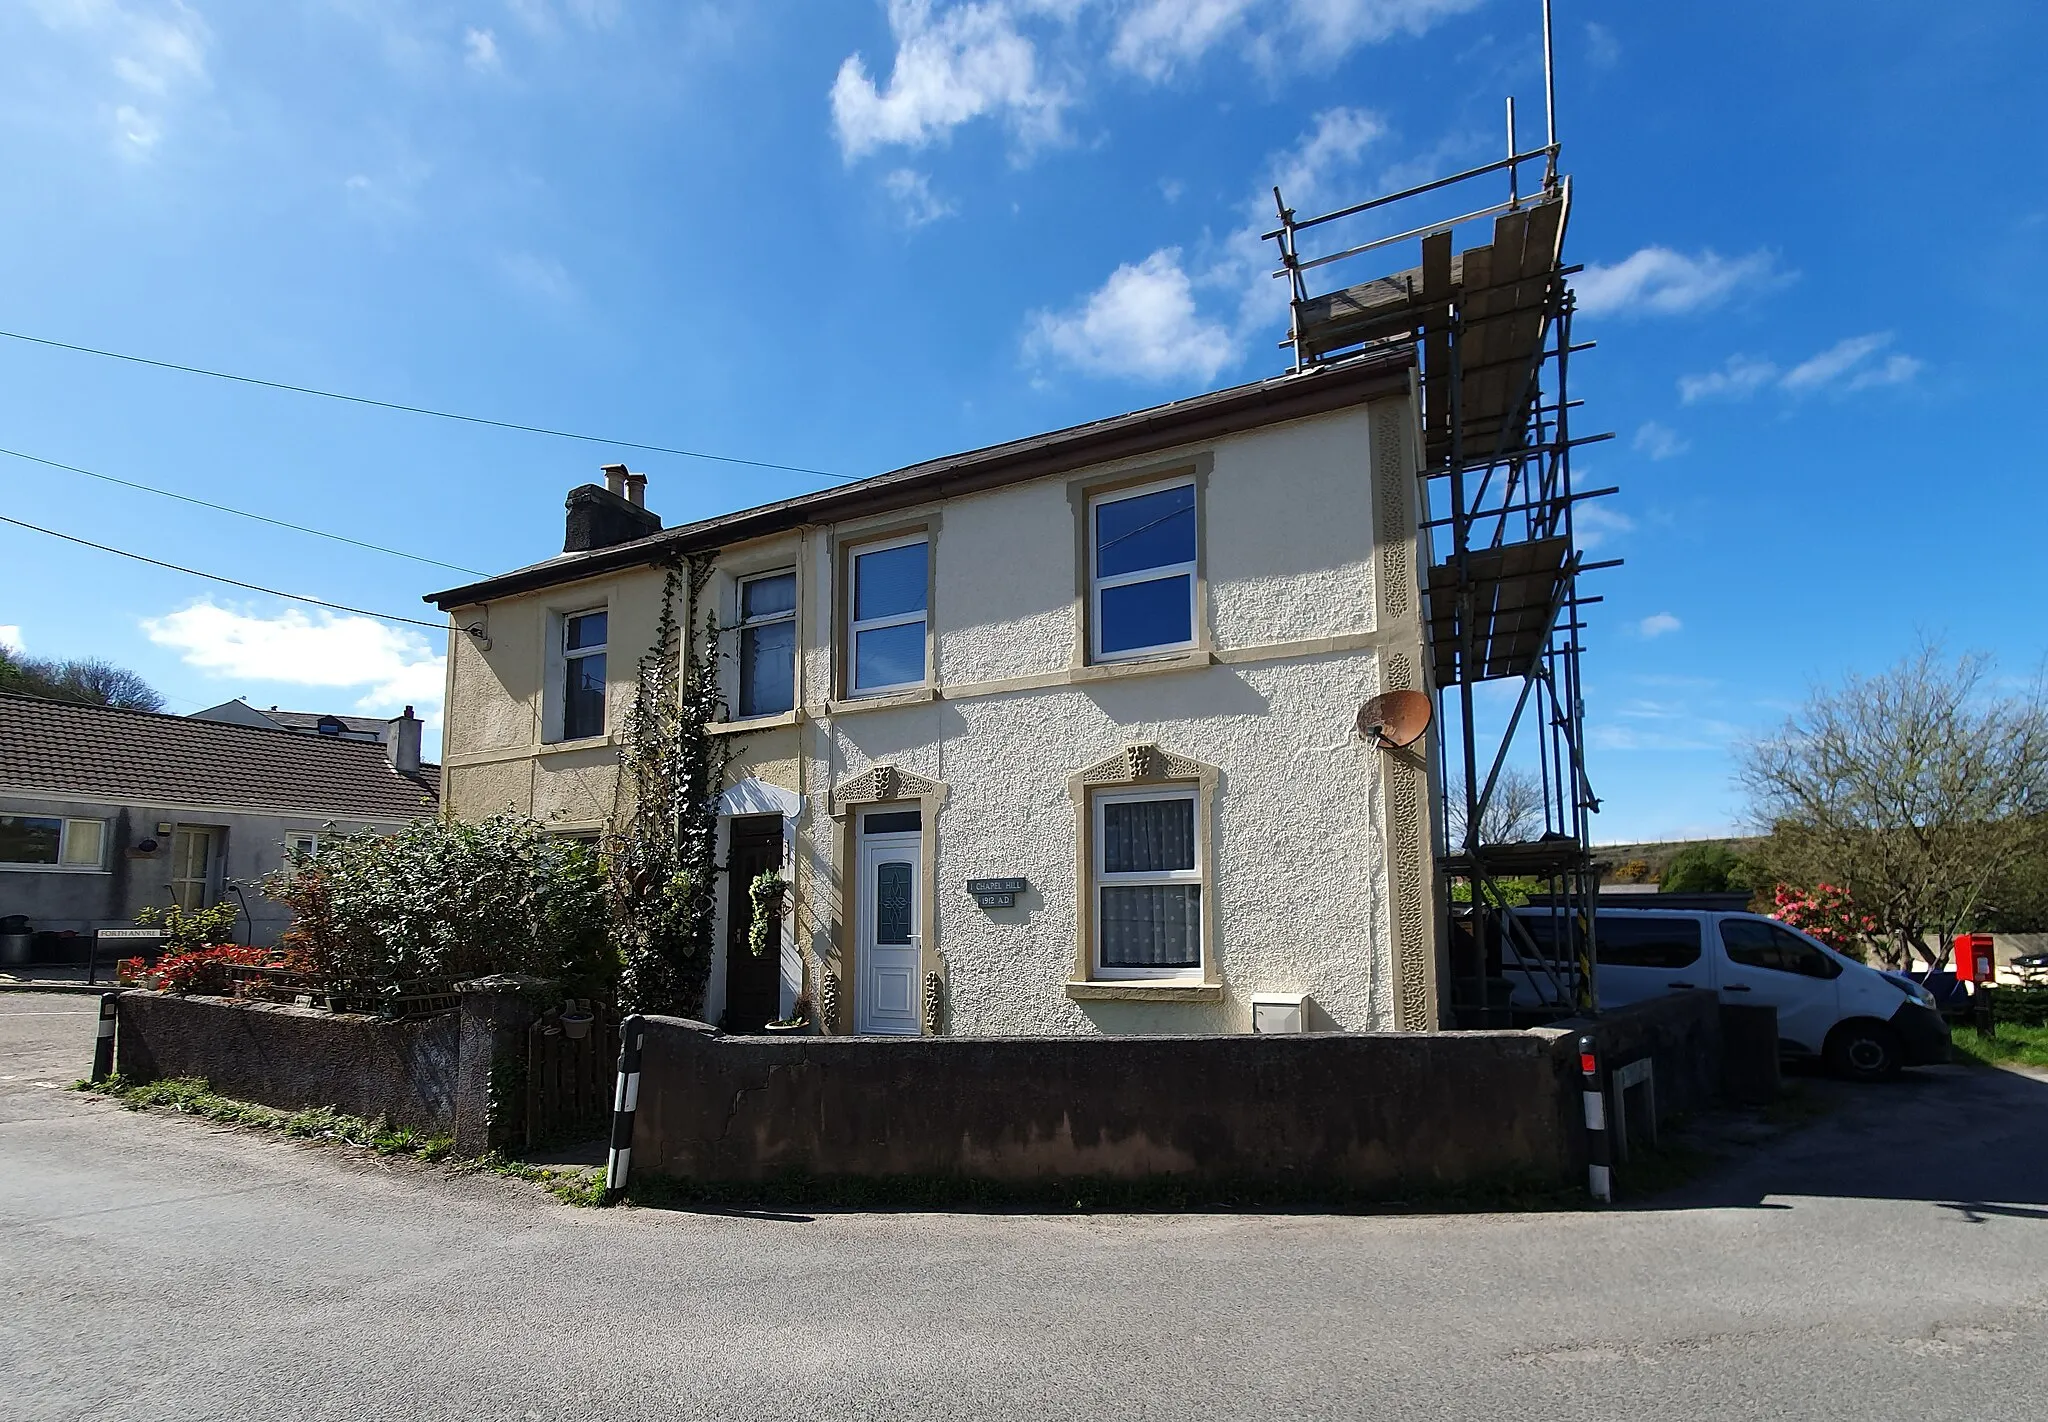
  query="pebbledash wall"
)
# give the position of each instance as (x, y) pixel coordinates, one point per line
(1320, 842)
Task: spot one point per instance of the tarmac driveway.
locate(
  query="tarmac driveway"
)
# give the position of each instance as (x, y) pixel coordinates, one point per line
(1890, 1260)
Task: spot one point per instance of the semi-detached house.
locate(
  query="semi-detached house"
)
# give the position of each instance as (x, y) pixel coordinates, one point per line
(1119, 666)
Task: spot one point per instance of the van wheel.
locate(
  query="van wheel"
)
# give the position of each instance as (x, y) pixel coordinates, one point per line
(1863, 1051)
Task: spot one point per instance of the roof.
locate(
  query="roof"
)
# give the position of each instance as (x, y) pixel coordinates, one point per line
(146, 758)
(1382, 371)
(303, 721)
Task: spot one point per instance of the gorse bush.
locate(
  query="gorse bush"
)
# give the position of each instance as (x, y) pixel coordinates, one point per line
(451, 900)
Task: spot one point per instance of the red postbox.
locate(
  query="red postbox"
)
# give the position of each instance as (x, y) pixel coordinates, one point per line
(1974, 960)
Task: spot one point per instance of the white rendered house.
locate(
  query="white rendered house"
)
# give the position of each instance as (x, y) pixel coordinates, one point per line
(1053, 737)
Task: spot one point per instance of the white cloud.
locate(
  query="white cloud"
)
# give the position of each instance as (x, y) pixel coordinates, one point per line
(1603, 50)
(1160, 35)
(541, 277)
(1595, 523)
(10, 637)
(1659, 441)
(391, 667)
(1156, 38)
(1739, 377)
(1657, 624)
(1141, 324)
(480, 50)
(915, 198)
(968, 62)
(1848, 365)
(1144, 321)
(155, 53)
(1656, 281)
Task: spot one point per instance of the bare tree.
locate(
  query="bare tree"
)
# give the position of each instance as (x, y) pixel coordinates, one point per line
(1917, 790)
(88, 679)
(1512, 816)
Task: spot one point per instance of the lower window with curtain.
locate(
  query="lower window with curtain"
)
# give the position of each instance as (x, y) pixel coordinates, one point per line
(1148, 884)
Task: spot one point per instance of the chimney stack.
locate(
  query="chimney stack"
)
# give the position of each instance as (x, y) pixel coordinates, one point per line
(636, 490)
(615, 477)
(607, 517)
(402, 743)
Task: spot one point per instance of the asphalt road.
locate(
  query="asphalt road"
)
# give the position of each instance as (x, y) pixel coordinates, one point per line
(1890, 1260)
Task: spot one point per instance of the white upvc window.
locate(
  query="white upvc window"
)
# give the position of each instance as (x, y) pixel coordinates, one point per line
(887, 596)
(301, 842)
(52, 842)
(583, 673)
(1142, 555)
(1148, 883)
(767, 650)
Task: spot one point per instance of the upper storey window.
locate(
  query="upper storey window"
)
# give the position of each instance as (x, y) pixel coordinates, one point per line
(1141, 583)
(583, 661)
(885, 637)
(767, 644)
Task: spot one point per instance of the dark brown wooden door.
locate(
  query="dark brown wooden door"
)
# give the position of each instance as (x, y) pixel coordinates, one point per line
(753, 985)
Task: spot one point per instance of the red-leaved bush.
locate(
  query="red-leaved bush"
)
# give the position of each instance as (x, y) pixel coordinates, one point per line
(205, 970)
(1828, 913)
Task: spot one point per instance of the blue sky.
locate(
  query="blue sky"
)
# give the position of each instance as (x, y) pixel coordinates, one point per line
(849, 237)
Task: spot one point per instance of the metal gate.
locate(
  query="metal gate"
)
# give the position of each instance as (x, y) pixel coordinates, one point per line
(569, 1080)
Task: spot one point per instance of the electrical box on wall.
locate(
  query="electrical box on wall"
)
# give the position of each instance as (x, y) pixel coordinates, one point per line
(1280, 1012)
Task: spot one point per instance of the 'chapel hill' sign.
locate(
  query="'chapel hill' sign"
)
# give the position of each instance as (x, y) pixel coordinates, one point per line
(996, 893)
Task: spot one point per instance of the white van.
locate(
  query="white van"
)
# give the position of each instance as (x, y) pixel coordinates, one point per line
(1862, 1023)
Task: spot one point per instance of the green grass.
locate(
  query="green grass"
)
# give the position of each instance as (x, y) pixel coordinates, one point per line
(2013, 1046)
(191, 1096)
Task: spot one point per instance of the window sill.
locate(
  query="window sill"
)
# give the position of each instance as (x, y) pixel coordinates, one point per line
(753, 723)
(54, 869)
(586, 743)
(881, 701)
(1143, 666)
(1146, 990)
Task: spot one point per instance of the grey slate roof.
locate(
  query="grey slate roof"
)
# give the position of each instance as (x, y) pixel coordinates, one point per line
(143, 758)
(309, 721)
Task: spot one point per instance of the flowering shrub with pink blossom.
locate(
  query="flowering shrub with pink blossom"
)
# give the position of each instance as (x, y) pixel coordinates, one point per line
(1828, 913)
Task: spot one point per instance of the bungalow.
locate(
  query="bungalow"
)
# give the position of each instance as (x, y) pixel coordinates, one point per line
(106, 811)
(1058, 736)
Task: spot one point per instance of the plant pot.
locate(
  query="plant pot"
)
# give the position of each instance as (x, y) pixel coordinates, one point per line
(576, 1026)
(787, 1027)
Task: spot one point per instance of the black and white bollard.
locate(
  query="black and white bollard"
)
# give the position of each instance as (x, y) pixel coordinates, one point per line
(1599, 1175)
(103, 1049)
(624, 1102)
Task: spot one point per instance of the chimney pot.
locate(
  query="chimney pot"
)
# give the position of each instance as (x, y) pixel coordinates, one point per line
(615, 479)
(636, 490)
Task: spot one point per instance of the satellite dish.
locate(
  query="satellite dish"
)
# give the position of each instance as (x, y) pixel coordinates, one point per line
(1394, 718)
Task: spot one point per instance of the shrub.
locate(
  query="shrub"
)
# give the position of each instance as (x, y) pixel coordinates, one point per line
(443, 900)
(1829, 914)
(1706, 869)
(186, 929)
(205, 970)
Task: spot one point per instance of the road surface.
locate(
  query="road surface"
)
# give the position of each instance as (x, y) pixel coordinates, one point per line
(1889, 1261)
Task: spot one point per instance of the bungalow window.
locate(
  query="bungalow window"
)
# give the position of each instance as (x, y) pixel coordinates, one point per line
(1148, 884)
(583, 660)
(885, 635)
(767, 644)
(1141, 583)
(301, 842)
(38, 841)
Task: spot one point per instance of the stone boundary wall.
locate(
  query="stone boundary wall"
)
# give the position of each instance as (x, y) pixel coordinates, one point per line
(294, 1058)
(1350, 1110)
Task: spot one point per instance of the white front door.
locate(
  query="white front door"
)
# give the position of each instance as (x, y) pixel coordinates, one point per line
(888, 932)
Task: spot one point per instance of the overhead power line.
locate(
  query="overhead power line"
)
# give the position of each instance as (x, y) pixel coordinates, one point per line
(240, 513)
(231, 582)
(423, 410)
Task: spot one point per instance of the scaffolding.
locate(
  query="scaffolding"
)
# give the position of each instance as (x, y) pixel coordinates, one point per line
(1493, 321)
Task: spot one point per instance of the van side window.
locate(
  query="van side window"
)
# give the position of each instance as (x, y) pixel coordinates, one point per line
(1752, 943)
(1633, 941)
